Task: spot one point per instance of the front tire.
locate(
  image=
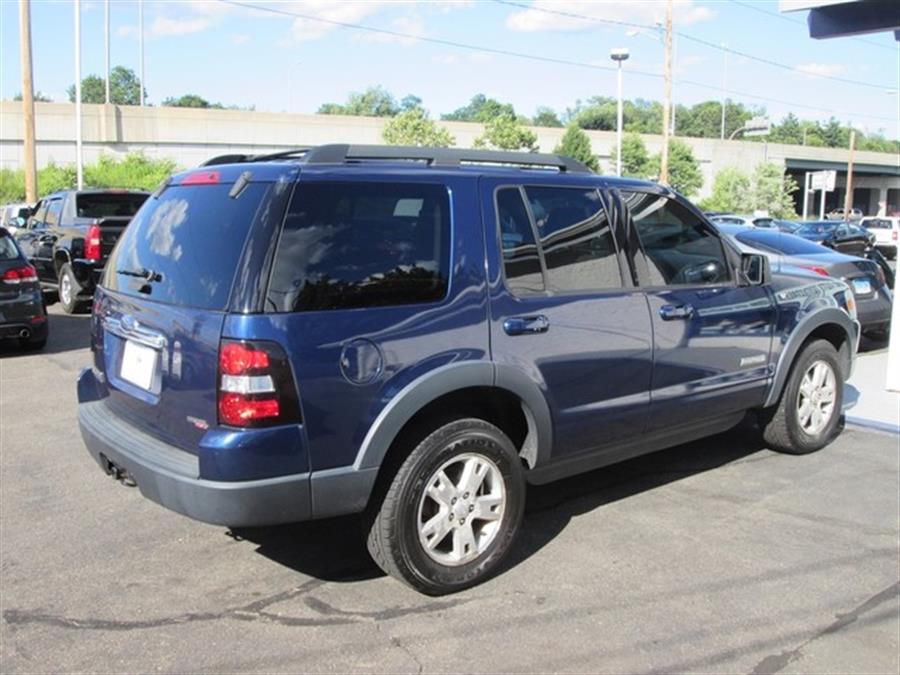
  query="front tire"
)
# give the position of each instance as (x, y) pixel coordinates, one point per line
(452, 510)
(809, 414)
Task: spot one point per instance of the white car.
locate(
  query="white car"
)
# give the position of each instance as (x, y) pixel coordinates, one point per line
(13, 216)
(887, 233)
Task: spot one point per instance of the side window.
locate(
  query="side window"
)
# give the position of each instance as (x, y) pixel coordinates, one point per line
(347, 245)
(521, 261)
(40, 216)
(53, 212)
(575, 237)
(680, 249)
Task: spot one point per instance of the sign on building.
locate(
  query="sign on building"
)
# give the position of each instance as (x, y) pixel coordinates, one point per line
(823, 180)
(758, 126)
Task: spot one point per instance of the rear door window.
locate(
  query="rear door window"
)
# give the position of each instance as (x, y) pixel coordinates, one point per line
(54, 209)
(575, 237)
(521, 259)
(349, 245)
(184, 247)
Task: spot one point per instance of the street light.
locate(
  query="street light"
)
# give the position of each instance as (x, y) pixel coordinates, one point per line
(619, 55)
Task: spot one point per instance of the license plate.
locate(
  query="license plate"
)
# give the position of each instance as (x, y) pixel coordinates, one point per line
(862, 286)
(138, 365)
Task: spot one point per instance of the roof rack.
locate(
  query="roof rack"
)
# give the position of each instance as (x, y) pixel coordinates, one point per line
(440, 157)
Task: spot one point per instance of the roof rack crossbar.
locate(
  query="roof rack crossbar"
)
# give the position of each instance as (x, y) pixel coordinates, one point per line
(440, 157)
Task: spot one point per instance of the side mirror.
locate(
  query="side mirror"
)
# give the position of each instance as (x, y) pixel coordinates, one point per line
(755, 270)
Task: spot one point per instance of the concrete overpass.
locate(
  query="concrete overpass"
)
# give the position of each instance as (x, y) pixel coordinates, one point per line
(190, 136)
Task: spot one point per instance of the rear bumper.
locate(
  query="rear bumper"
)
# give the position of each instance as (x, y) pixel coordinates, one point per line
(874, 313)
(88, 273)
(169, 476)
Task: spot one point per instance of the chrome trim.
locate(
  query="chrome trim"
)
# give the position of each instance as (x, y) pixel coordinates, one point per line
(129, 328)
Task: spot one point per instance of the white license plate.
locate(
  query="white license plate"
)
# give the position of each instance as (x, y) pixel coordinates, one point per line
(138, 365)
(862, 286)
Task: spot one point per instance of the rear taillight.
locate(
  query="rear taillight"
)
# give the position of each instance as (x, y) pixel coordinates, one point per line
(894, 235)
(256, 387)
(92, 243)
(20, 275)
(817, 270)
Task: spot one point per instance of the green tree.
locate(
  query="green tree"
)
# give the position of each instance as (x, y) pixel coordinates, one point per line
(39, 97)
(373, 102)
(576, 144)
(636, 161)
(546, 117)
(124, 88)
(413, 127)
(410, 102)
(834, 134)
(190, 101)
(481, 109)
(134, 171)
(684, 169)
(772, 191)
(788, 131)
(505, 132)
(731, 192)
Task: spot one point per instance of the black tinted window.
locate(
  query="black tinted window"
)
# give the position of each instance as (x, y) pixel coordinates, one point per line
(575, 238)
(8, 249)
(679, 247)
(780, 242)
(877, 224)
(54, 209)
(106, 204)
(348, 245)
(521, 263)
(192, 238)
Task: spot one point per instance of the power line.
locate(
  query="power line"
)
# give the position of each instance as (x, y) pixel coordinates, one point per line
(530, 57)
(800, 22)
(692, 38)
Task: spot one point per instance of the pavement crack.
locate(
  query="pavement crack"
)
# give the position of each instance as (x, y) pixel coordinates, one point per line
(396, 642)
(777, 662)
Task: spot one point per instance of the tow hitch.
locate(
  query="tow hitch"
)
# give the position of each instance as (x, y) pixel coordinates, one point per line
(119, 473)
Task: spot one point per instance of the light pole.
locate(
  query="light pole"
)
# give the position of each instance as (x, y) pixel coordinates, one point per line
(619, 55)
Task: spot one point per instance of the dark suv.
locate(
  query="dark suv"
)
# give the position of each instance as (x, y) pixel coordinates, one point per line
(415, 334)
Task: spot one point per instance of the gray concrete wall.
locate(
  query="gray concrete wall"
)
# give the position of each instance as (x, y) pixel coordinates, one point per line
(191, 136)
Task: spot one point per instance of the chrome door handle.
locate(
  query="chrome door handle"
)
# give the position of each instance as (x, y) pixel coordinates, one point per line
(526, 325)
(669, 312)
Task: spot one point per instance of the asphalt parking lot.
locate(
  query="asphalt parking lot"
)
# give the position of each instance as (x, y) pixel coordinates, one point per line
(718, 556)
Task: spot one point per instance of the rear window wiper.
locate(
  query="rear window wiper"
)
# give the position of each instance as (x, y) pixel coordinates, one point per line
(142, 273)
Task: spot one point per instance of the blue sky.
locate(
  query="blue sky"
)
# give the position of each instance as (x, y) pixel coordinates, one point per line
(278, 61)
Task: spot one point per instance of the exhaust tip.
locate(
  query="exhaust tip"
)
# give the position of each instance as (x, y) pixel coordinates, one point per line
(24, 333)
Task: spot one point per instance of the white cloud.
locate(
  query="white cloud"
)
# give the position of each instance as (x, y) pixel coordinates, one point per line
(820, 69)
(410, 25)
(643, 12)
(240, 39)
(342, 11)
(164, 26)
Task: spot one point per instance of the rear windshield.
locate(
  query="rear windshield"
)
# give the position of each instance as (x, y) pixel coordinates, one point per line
(8, 248)
(347, 245)
(184, 247)
(780, 242)
(107, 204)
(877, 224)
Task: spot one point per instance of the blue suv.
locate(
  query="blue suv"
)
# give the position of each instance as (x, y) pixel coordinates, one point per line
(415, 334)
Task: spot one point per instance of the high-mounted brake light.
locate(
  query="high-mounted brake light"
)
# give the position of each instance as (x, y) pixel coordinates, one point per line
(20, 275)
(817, 270)
(92, 243)
(201, 178)
(256, 387)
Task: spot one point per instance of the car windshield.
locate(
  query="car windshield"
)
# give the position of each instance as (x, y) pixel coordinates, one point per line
(8, 249)
(817, 228)
(106, 204)
(779, 242)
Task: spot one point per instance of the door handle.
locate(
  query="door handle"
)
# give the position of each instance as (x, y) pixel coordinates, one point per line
(526, 325)
(669, 312)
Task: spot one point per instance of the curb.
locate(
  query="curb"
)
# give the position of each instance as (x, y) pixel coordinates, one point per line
(873, 425)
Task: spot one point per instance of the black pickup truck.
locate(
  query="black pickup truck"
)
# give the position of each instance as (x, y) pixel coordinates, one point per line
(70, 235)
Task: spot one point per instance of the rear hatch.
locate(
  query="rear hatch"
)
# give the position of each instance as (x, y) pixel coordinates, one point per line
(168, 283)
(111, 210)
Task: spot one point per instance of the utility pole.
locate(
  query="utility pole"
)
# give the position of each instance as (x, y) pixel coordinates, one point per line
(848, 198)
(31, 187)
(141, 28)
(724, 94)
(79, 157)
(106, 43)
(667, 99)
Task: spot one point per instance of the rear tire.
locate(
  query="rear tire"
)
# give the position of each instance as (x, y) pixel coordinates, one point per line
(33, 345)
(452, 510)
(809, 414)
(69, 288)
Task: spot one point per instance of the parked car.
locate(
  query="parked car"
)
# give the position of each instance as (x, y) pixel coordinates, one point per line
(887, 234)
(70, 236)
(844, 237)
(865, 277)
(414, 334)
(732, 219)
(23, 316)
(14, 216)
(838, 214)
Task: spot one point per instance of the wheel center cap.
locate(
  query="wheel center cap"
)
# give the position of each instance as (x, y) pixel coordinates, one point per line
(460, 510)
